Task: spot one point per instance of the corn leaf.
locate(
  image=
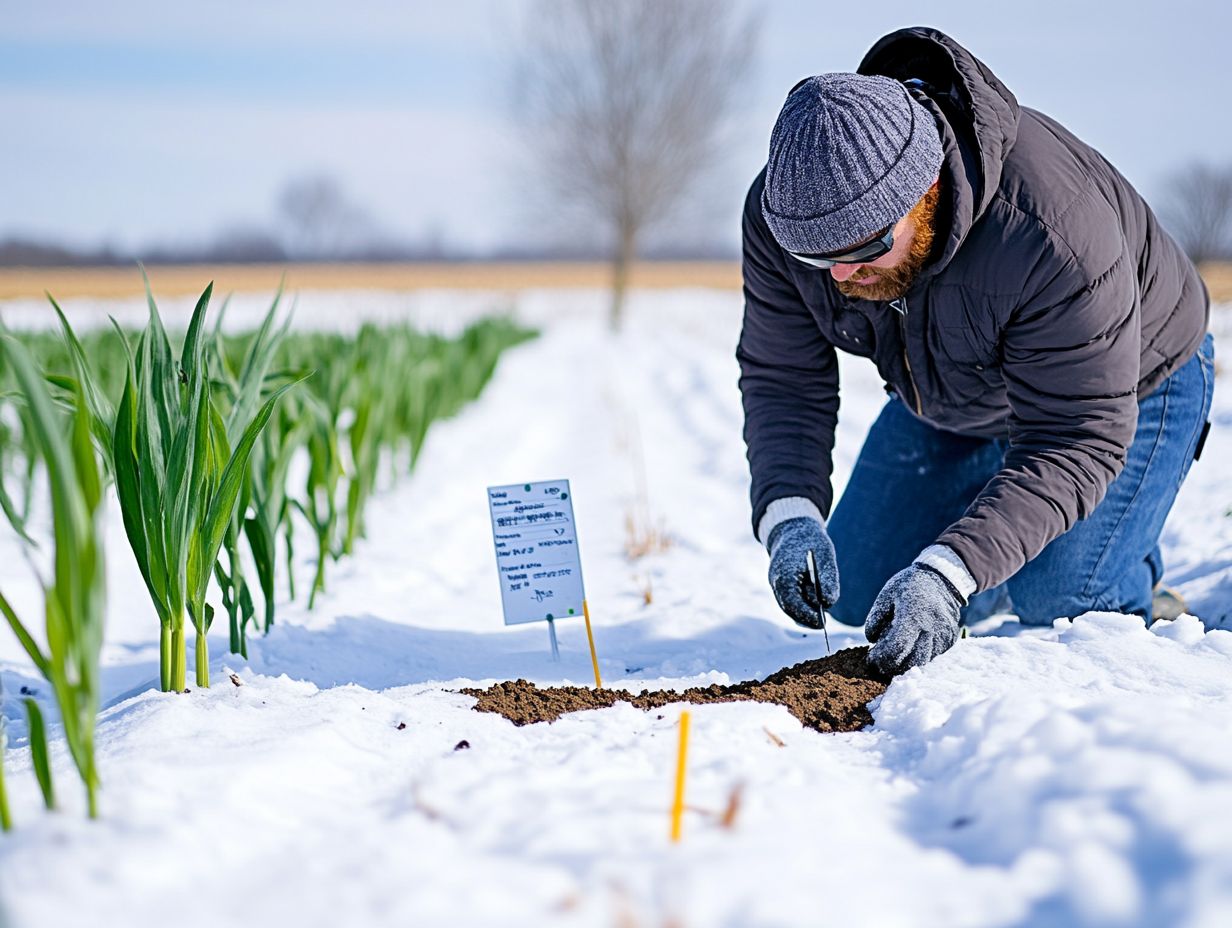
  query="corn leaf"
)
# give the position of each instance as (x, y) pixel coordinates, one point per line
(23, 636)
(128, 489)
(223, 503)
(38, 752)
(14, 515)
(102, 414)
(69, 516)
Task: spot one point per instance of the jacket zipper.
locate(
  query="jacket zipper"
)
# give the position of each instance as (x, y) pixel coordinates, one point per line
(900, 306)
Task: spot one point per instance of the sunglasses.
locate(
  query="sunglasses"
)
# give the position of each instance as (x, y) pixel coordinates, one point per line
(869, 251)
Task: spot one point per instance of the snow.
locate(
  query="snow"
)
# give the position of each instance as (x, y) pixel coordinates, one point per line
(1078, 775)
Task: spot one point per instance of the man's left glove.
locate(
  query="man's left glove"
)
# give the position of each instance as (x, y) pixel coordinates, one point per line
(914, 618)
(790, 543)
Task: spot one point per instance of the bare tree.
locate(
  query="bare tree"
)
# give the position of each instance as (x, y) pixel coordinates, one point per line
(1197, 210)
(624, 103)
(321, 221)
(243, 243)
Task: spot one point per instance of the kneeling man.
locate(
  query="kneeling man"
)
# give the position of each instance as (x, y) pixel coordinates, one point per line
(1042, 340)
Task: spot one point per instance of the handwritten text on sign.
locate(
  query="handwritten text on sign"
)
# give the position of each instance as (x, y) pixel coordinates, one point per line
(536, 551)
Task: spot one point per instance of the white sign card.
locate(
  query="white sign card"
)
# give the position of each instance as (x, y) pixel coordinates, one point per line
(537, 554)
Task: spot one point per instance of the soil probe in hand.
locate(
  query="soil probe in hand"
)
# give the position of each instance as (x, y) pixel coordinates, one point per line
(681, 760)
(821, 609)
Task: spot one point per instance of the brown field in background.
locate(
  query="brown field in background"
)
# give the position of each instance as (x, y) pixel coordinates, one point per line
(1218, 279)
(66, 282)
(189, 280)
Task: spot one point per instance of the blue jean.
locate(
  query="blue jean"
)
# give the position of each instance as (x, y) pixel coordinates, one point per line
(912, 481)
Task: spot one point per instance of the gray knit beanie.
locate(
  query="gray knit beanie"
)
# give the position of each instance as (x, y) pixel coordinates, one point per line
(850, 155)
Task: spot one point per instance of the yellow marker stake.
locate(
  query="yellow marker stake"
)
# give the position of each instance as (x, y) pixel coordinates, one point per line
(594, 660)
(681, 760)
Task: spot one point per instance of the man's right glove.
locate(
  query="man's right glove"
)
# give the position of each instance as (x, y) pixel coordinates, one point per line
(914, 618)
(789, 544)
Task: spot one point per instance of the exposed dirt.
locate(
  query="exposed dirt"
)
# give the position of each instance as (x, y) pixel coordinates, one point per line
(828, 694)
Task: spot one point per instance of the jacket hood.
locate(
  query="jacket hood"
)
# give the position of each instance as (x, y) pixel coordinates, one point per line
(977, 117)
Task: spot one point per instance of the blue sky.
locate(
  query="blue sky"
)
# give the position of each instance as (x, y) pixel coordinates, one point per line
(135, 123)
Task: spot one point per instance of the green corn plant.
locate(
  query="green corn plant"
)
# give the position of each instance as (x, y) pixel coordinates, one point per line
(320, 503)
(226, 482)
(242, 391)
(401, 358)
(425, 403)
(141, 440)
(269, 503)
(74, 596)
(324, 406)
(365, 451)
(370, 430)
(232, 583)
(178, 478)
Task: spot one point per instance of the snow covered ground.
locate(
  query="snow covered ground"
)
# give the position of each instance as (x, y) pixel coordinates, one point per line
(1080, 775)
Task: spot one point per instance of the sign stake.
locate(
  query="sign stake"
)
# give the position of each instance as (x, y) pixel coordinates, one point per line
(681, 760)
(552, 638)
(537, 557)
(594, 659)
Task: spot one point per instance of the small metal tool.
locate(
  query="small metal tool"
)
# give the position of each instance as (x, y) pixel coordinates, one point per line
(821, 611)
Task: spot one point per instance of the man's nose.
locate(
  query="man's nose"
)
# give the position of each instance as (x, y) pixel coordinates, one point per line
(842, 271)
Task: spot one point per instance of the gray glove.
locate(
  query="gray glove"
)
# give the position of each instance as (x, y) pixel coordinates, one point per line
(914, 618)
(789, 544)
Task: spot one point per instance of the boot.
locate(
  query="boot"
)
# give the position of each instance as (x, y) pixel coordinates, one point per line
(1167, 604)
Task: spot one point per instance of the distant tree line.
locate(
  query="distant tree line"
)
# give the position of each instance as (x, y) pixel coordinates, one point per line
(316, 221)
(256, 247)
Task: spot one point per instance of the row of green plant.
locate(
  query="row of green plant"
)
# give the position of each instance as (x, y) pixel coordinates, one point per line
(200, 436)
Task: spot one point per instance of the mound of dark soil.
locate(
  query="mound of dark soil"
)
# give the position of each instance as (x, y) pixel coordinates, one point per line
(829, 694)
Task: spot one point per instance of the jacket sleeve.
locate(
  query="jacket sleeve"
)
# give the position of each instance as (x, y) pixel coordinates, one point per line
(1070, 364)
(788, 377)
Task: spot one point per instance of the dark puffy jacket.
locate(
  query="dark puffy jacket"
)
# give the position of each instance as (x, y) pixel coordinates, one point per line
(1052, 302)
